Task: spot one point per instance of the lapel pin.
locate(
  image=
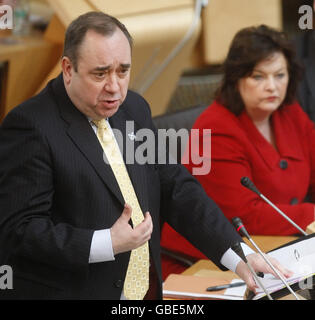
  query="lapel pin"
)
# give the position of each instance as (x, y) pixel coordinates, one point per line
(132, 136)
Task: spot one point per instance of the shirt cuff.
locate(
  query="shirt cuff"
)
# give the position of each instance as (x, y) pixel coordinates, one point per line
(101, 247)
(230, 259)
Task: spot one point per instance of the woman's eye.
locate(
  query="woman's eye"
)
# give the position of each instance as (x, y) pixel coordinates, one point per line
(280, 75)
(257, 77)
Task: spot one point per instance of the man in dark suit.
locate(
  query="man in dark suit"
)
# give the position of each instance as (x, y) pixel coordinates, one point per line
(64, 226)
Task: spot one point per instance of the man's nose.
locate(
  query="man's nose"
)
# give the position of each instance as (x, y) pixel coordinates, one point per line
(111, 84)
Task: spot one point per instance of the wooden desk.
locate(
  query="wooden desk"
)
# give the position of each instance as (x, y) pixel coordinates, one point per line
(206, 268)
(265, 243)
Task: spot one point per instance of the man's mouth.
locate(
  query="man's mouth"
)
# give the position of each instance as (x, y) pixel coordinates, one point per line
(110, 103)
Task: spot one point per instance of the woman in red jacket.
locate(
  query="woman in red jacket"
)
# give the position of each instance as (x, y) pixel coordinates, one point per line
(258, 131)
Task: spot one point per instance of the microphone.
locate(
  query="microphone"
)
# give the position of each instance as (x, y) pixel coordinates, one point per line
(238, 224)
(246, 182)
(237, 248)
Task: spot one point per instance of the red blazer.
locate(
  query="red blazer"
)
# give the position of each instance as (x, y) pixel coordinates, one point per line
(238, 149)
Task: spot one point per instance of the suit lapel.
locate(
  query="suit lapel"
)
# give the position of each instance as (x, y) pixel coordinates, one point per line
(92, 150)
(137, 172)
(82, 134)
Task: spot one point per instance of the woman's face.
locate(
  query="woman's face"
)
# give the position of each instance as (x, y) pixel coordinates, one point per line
(264, 90)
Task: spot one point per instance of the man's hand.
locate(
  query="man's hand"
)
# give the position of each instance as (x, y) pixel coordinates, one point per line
(126, 238)
(259, 264)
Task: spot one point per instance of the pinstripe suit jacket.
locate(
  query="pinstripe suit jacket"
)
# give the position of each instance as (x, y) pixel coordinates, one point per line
(55, 190)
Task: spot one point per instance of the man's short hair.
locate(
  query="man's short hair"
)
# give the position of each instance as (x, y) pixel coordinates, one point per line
(99, 22)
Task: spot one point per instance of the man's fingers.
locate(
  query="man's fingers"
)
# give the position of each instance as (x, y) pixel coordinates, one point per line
(284, 271)
(279, 268)
(142, 232)
(148, 221)
(126, 238)
(146, 224)
(126, 214)
(251, 284)
(259, 264)
(244, 273)
(145, 227)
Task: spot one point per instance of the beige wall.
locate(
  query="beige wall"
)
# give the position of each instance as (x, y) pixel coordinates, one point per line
(157, 27)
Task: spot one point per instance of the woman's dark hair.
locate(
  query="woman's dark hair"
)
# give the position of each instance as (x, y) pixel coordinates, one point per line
(249, 47)
(99, 22)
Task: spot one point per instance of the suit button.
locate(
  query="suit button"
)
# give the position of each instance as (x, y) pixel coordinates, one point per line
(294, 201)
(118, 283)
(283, 164)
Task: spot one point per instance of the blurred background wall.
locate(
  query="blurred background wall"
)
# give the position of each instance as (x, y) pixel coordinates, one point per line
(179, 44)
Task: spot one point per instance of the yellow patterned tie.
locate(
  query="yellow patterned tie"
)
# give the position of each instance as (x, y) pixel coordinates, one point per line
(137, 278)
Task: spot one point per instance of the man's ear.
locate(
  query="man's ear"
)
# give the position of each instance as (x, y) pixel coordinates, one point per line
(67, 69)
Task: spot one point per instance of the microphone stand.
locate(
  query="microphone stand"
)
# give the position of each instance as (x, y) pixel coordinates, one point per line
(273, 268)
(283, 214)
(238, 224)
(246, 182)
(239, 251)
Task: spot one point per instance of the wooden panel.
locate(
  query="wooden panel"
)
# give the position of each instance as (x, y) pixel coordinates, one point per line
(55, 31)
(70, 9)
(152, 46)
(28, 63)
(223, 18)
(51, 75)
(311, 227)
(120, 8)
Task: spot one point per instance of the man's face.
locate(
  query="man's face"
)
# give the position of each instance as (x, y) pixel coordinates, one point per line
(100, 84)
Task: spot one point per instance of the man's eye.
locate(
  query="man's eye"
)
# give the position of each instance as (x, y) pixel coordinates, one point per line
(124, 71)
(100, 75)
